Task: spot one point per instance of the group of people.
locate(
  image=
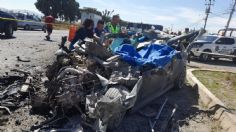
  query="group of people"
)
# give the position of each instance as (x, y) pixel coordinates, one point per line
(87, 30)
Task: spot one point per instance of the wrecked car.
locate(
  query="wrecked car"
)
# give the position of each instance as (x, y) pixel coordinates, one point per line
(102, 87)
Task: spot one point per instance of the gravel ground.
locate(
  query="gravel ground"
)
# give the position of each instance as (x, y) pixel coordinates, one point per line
(190, 116)
(30, 45)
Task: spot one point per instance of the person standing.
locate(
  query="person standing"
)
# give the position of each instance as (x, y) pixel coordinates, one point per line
(49, 20)
(113, 27)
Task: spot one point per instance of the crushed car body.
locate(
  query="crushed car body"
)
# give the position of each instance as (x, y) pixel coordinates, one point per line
(102, 87)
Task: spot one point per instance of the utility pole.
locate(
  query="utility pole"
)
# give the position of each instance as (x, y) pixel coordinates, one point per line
(230, 17)
(208, 4)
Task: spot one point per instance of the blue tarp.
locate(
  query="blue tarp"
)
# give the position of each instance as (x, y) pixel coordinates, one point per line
(153, 55)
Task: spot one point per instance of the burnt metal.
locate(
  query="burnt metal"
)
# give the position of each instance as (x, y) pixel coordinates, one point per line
(152, 125)
(101, 88)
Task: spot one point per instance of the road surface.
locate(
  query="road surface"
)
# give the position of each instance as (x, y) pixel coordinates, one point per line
(221, 64)
(29, 46)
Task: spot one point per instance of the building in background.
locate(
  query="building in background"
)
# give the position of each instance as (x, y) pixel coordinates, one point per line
(85, 14)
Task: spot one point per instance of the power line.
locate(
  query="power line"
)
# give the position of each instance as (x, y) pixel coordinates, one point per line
(208, 4)
(219, 15)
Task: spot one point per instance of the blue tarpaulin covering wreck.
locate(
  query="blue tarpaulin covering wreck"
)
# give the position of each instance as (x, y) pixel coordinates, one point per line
(153, 55)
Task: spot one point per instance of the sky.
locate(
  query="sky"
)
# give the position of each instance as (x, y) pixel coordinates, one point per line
(175, 14)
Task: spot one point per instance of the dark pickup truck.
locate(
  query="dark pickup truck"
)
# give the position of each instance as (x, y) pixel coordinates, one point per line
(8, 24)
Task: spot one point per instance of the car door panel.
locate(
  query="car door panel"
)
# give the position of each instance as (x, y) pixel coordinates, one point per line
(224, 46)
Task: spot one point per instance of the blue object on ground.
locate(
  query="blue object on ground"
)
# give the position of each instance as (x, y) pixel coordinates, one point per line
(153, 55)
(142, 39)
(116, 43)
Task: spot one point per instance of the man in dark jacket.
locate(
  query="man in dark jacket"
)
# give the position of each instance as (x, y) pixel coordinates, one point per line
(86, 31)
(99, 30)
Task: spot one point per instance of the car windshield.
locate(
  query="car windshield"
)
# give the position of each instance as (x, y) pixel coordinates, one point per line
(208, 38)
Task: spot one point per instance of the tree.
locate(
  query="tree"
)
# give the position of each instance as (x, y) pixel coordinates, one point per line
(63, 9)
(91, 10)
(106, 15)
(44, 6)
(70, 9)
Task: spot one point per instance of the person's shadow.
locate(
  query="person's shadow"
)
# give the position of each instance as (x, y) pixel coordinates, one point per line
(49, 40)
(3, 37)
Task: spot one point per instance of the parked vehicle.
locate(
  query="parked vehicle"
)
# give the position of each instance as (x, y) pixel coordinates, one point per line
(213, 46)
(30, 22)
(8, 24)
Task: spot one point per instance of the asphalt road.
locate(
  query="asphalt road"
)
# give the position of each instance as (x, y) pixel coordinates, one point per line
(221, 64)
(29, 46)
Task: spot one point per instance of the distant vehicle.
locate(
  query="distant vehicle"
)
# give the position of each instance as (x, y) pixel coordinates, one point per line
(7, 26)
(30, 22)
(216, 46)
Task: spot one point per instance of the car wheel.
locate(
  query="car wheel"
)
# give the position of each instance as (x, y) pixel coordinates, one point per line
(205, 57)
(112, 93)
(44, 29)
(27, 27)
(215, 58)
(234, 60)
(9, 30)
(180, 82)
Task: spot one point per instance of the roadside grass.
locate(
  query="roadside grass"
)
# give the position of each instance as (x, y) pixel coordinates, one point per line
(221, 84)
(62, 25)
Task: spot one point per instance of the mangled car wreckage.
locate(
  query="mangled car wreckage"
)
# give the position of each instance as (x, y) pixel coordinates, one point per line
(102, 86)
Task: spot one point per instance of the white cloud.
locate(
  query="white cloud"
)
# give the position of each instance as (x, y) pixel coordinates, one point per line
(165, 18)
(189, 14)
(216, 23)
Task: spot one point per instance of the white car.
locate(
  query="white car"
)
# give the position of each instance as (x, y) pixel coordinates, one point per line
(212, 46)
(30, 22)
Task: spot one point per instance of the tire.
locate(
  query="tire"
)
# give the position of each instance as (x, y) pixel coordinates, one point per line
(9, 30)
(180, 81)
(205, 57)
(112, 93)
(216, 59)
(44, 29)
(27, 27)
(191, 54)
(234, 60)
